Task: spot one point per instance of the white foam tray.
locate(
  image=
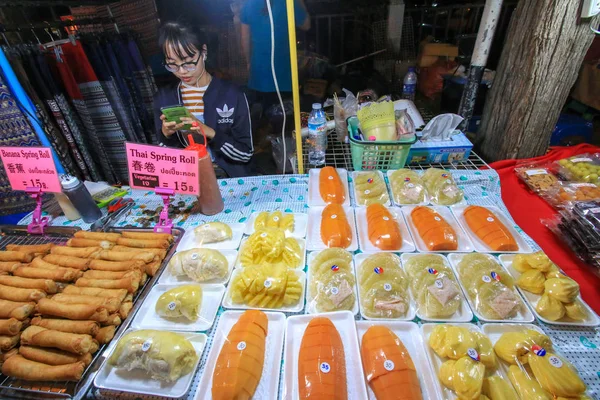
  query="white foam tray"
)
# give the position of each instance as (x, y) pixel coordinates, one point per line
(230, 255)
(314, 196)
(310, 304)
(408, 244)
(410, 335)
(532, 299)
(524, 314)
(188, 241)
(301, 242)
(436, 361)
(146, 317)
(300, 222)
(313, 236)
(464, 243)
(345, 325)
(464, 313)
(479, 245)
(412, 306)
(387, 191)
(229, 304)
(425, 199)
(139, 382)
(268, 386)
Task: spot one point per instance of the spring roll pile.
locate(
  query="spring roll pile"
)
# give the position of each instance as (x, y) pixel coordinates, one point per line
(59, 304)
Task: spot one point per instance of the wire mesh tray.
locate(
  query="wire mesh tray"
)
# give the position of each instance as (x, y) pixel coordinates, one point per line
(11, 388)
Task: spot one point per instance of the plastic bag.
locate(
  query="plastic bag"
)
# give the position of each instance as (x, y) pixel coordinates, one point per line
(266, 286)
(269, 246)
(370, 188)
(564, 194)
(433, 285)
(165, 356)
(405, 127)
(332, 282)
(383, 287)
(342, 110)
(537, 176)
(581, 168)
(200, 265)
(212, 232)
(441, 187)
(181, 302)
(407, 187)
(489, 286)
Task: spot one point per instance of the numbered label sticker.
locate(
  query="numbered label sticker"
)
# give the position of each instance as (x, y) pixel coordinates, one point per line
(330, 177)
(194, 256)
(386, 218)
(490, 219)
(263, 235)
(473, 354)
(367, 191)
(410, 185)
(437, 219)
(486, 279)
(555, 361)
(439, 284)
(268, 283)
(276, 219)
(334, 291)
(172, 306)
(147, 344)
(334, 216)
(388, 365)
(387, 287)
(324, 367)
(241, 346)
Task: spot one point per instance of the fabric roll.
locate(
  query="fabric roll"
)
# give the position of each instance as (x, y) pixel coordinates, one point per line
(144, 76)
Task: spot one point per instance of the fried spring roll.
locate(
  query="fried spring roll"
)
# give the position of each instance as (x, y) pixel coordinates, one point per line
(68, 262)
(18, 310)
(111, 304)
(19, 294)
(116, 265)
(111, 237)
(111, 255)
(5, 356)
(9, 266)
(43, 270)
(161, 253)
(65, 325)
(106, 334)
(31, 248)
(19, 256)
(47, 285)
(72, 311)
(92, 291)
(10, 327)
(76, 242)
(153, 267)
(148, 236)
(125, 309)
(129, 283)
(9, 342)
(127, 298)
(113, 319)
(81, 252)
(144, 244)
(21, 368)
(95, 274)
(71, 342)
(53, 356)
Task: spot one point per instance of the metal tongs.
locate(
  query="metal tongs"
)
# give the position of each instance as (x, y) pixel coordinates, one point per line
(116, 208)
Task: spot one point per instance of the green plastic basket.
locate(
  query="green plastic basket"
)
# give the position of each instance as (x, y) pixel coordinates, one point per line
(376, 155)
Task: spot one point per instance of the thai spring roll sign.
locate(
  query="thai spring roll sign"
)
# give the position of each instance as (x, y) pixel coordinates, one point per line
(30, 167)
(153, 167)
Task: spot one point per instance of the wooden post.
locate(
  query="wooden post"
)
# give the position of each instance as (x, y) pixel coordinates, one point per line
(542, 54)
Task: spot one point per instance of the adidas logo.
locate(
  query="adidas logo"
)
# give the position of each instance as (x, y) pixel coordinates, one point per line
(225, 112)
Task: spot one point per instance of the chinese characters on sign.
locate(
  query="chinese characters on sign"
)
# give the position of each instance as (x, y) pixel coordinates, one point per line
(160, 167)
(28, 167)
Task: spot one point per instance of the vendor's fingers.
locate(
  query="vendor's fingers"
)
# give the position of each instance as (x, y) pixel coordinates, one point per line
(186, 120)
(179, 126)
(163, 117)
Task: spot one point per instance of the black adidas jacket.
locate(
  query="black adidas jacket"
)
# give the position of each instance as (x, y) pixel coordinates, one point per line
(226, 111)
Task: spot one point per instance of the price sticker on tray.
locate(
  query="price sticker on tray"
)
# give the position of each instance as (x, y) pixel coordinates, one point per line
(155, 167)
(29, 167)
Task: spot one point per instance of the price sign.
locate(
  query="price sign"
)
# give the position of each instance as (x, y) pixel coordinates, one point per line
(28, 167)
(153, 167)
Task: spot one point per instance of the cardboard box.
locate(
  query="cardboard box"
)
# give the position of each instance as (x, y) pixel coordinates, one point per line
(458, 148)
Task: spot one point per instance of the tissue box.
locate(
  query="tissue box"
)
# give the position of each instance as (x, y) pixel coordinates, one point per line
(456, 149)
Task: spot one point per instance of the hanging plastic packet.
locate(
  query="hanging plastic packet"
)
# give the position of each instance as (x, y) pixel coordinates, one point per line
(407, 187)
(441, 187)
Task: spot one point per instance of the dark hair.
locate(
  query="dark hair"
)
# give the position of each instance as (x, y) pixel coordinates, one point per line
(175, 34)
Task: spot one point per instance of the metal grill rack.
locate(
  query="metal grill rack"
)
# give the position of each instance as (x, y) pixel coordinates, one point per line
(11, 388)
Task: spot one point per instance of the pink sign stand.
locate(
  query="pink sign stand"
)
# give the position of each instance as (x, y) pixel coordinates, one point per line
(38, 223)
(165, 224)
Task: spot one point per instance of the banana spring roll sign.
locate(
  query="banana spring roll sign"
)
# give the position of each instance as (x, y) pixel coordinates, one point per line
(28, 167)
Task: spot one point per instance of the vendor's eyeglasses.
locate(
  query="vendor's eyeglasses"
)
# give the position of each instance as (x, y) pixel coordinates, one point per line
(187, 66)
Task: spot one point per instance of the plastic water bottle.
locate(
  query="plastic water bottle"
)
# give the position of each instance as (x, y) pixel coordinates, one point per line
(410, 84)
(317, 135)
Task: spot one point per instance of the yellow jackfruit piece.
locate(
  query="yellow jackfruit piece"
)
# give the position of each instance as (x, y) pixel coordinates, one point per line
(563, 289)
(512, 346)
(457, 341)
(446, 373)
(539, 338)
(467, 378)
(437, 338)
(539, 260)
(554, 272)
(486, 352)
(520, 263)
(526, 387)
(556, 375)
(576, 311)
(496, 388)
(532, 281)
(550, 308)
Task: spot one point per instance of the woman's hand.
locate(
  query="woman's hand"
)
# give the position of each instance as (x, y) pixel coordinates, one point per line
(199, 127)
(169, 128)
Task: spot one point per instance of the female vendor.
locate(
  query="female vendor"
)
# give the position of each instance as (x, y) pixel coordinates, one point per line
(218, 108)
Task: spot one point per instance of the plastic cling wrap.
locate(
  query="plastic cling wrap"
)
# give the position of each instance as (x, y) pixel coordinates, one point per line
(200, 265)
(441, 187)
(183, 301)
(489, 229)
(383, 287)
(269, 287)
(332, 282)
(489, 287)
(564, 194)
(165, 356)
(269, 246)
(383, 230)
(370, 188)
(276, 219)
(335, 229)
(331, 188)
(433, 285)
(581, 168)
(213, 232)
(436, 232)
(407, 187)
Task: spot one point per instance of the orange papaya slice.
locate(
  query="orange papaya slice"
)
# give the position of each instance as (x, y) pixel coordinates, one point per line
(436, 232)
(331, 188)
(488, 228)
(335, 229)
(383, 230)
